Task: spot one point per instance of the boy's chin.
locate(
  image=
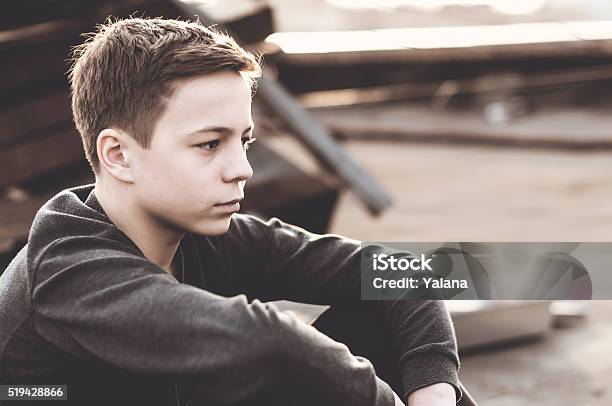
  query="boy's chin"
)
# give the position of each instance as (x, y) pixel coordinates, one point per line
(213, 228)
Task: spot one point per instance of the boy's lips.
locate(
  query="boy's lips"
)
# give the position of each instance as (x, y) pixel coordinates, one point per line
(230, 206)
(230, 202)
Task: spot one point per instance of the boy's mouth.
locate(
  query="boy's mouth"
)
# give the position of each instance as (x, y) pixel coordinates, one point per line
(231, 206)
(230, 203)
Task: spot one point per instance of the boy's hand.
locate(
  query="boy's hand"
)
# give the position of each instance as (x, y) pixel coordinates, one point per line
(439, 394)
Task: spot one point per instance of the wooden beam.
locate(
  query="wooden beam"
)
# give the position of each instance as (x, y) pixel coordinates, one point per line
(518, 82)
(34, 116)
(57, 149)
(559, 130)
(436, 44)
(319, 142)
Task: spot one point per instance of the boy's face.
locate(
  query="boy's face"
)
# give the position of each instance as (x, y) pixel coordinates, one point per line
(196, 162)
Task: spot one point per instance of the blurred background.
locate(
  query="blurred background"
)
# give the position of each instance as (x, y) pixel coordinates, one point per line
(390, 120)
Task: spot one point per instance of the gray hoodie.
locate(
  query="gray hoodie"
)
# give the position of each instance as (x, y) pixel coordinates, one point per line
(81, 305)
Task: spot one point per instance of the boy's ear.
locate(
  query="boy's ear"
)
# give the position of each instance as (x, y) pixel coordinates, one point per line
(113, 154)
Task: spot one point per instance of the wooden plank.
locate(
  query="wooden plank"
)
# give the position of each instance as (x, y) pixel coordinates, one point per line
(249, 20)
(30, 26)
(33, 75)
(255, 27)
(36, 34)
(564, 129)
(33, 54)
(436, 44)
(357, 65)
(301, 78)
(56, 149)
(26, 13)
(593, 77)
(19, 205)
(16, 219)
(318, 141)
(27, 63)
(42, 113)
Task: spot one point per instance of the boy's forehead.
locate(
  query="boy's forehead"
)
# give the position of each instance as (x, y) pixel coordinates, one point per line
(220, 99)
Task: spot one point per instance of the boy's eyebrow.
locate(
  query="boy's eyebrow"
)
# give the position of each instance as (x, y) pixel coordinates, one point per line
(219, 129)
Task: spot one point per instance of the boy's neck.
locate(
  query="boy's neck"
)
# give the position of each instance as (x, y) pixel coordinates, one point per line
(158, 244)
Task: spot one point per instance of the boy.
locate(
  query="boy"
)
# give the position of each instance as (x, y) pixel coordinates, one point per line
(145, 288)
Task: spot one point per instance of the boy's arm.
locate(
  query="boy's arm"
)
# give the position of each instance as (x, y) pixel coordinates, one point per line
(107, 305)
(274, 261)
(439, 394)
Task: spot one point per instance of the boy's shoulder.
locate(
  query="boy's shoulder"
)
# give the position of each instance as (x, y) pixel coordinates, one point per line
(72, 215)
(68, 228)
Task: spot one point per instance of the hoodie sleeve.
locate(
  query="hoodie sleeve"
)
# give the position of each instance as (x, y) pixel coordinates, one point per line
(106, 304)
(273, 260)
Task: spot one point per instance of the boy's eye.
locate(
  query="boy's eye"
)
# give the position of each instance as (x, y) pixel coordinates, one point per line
(209, 146)
(213, 145)
(247, 141)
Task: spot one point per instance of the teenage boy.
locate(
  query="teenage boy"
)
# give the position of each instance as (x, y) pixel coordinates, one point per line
(147, 287)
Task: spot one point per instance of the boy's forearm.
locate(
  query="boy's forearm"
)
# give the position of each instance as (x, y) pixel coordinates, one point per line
(439, 394)
(422, 336)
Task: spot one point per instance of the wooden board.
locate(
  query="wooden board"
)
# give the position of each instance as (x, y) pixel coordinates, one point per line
(318, 141)
(60, 148)
(554, 128)
(37, 115)
(435, 44)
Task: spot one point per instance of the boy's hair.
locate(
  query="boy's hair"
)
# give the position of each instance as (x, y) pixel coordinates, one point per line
(124, 73)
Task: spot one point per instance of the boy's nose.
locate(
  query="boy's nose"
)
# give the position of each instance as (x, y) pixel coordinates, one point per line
(238, 168)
